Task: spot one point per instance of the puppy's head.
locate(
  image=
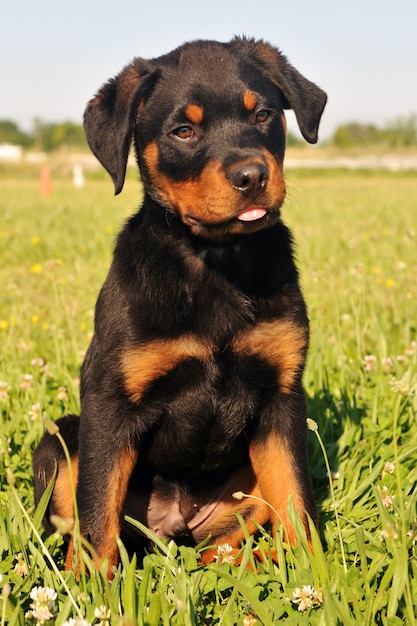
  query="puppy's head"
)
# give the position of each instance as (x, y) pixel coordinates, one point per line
(208, 125)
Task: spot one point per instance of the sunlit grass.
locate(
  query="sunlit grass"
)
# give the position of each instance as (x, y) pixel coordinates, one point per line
(357, 251)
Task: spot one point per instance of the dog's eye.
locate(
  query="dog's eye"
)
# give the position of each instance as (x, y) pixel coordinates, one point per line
(184, 132)
(261, 116)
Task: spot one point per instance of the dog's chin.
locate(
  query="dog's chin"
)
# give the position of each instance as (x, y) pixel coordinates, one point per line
(244, 223)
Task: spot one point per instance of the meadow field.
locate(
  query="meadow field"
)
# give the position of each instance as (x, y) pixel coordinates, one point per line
(356, 235)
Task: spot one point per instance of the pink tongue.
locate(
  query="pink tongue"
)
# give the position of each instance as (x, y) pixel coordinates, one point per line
(251, 214)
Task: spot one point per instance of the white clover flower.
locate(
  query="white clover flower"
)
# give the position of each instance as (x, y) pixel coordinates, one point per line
(307, 597)
(62, 394)
(225, 553)
(386, 498)
(103, 614)
(389, 468)
(35, 411)
(411, 350)
(74, 621)
(26, 381)
(43, 605)
(37, 362)
(20, 568)
(405, 386)
(387, 363)
(369, 362)
(4, 388)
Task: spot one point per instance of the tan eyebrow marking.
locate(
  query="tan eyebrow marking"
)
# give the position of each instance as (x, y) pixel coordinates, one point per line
(249, 100)
(194, 113)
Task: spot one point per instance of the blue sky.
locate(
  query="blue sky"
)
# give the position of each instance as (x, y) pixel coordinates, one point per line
(55, 55)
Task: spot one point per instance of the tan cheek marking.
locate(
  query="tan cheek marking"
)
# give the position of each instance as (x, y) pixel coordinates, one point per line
(151, 158)
(281, 343)
(144, 364)
(273, 466)
(249, 100)
(276, 184)
(194, 113)
(209, 197)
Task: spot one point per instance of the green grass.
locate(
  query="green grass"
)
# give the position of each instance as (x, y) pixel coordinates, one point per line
(357, 251)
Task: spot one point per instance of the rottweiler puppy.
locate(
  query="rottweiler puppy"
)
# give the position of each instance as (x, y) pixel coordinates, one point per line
(191, 388)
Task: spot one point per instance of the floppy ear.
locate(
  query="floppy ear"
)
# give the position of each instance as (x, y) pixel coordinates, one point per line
(302, 96)
(109, 119)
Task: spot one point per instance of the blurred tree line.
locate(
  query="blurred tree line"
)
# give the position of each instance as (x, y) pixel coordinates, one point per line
(48, 137)
(45, 137)
(402, 132)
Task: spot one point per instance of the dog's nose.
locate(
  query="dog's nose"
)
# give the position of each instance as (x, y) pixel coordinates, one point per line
(249, 178)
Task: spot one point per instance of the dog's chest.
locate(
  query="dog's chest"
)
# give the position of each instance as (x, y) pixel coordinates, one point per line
(209, 342)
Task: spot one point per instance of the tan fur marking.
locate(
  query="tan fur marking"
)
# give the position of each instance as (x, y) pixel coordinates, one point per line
(273, 466)
(249, 100)
(207, 197)
(62, 497)
(116, 494)
(144, 364)
(225, 516)
(194, 113)
(281, 343)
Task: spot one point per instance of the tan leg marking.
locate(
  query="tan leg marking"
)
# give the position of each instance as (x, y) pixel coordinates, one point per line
(220, 521)
(62, 502)
(116, 494)
(62, 497)
(274, 468)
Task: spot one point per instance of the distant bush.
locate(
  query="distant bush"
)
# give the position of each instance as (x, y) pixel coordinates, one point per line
(50, 137)
(44, 136)
(401, 132)
(293, 141)
(10, 133)
(353, 134)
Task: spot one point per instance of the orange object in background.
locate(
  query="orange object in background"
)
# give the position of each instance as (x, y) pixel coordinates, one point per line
(45, 184)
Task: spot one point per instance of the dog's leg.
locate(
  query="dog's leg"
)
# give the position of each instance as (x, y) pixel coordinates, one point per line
(280, 463)
(47, 455)
(278, 451)
(101, 491)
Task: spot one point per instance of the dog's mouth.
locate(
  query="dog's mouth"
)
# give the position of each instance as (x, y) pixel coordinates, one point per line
(252, 214)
